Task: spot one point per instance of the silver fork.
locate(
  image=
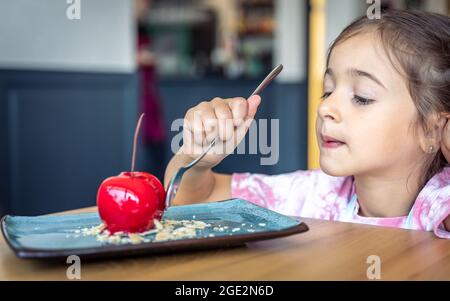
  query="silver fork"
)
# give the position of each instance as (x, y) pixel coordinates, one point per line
(176, 178)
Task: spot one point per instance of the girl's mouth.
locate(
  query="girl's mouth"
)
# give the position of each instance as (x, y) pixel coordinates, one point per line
(330, 142)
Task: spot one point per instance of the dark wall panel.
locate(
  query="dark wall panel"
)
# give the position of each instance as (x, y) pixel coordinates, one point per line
(63, 134)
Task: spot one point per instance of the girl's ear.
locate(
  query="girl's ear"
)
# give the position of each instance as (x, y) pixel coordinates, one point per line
(430, 137)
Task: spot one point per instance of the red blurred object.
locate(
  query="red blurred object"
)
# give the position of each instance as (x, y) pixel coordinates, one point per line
(130, 201)
(153, 127)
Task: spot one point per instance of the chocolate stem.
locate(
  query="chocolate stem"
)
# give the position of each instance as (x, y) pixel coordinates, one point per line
(136, 133)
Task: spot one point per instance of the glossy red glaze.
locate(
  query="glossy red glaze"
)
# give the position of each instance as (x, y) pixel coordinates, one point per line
(130, 201)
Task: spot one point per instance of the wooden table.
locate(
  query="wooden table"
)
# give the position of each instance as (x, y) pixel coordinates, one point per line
(328, 251)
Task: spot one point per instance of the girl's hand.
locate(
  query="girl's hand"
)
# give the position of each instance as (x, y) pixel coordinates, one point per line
(445, 144)
(226, 119)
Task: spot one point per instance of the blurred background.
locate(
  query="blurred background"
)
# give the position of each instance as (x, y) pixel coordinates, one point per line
(76, 74)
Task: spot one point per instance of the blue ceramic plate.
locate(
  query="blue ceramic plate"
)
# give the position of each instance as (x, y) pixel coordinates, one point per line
(231, 222)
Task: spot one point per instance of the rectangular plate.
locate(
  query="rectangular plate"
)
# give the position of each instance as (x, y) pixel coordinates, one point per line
(55, 236)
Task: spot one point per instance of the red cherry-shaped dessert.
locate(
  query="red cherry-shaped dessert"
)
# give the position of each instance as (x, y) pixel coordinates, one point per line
(131, 201)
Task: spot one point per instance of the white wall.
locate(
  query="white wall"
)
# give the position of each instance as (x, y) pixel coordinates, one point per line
(36, 34)
(341, 13)
(291, 46)
(437, 6)
(290, 35)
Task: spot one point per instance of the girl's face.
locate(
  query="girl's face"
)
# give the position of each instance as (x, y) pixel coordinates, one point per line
(368, 109)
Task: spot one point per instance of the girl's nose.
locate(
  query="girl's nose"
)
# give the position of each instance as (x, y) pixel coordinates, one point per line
(328, 109)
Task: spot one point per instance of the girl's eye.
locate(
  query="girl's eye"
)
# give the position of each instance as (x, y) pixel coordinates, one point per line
(358, 99)
(362, 101)
(325, 95)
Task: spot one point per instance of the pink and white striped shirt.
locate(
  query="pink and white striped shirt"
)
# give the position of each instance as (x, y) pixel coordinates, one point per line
(314, 194)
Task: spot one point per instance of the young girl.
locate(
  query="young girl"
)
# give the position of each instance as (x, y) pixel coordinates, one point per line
(379, 129)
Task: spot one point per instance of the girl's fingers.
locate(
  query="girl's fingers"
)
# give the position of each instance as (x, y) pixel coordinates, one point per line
(224, 118)
(210, 125)
(239, 108)
(194, 124)
(227, 119)
(253, 104)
